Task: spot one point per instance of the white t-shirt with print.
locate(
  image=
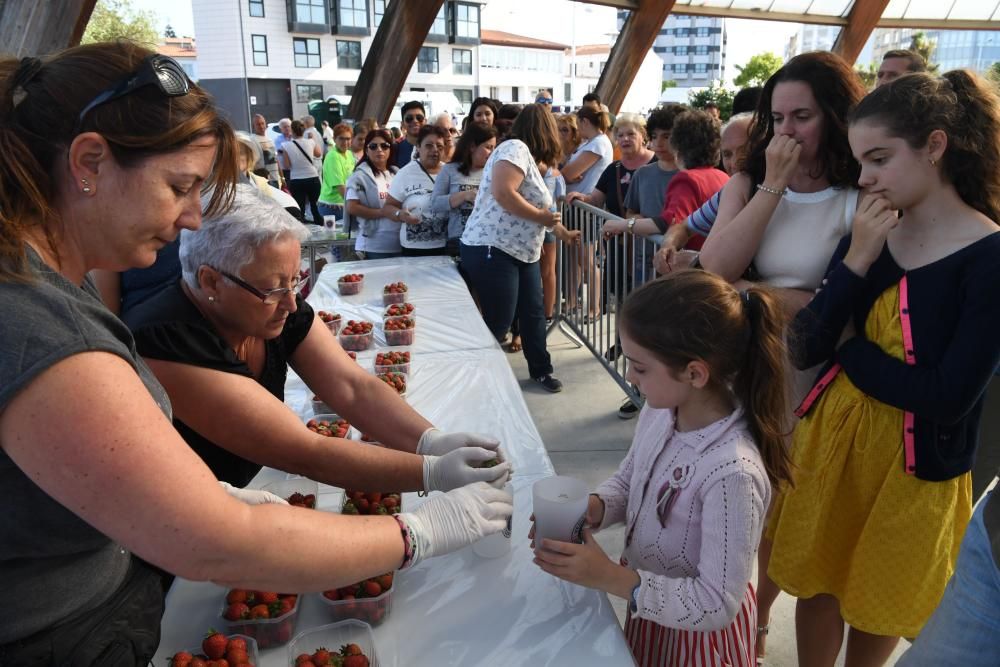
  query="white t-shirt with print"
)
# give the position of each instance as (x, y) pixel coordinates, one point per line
(492, 225)
(413, 186)
(601, 147)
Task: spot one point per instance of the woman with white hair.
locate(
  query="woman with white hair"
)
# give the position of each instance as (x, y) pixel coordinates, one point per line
(221, 341)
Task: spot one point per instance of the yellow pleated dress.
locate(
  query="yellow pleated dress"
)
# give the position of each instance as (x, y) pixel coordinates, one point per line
(857, 527)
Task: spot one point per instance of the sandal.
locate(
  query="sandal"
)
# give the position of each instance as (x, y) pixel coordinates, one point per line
(762, 631)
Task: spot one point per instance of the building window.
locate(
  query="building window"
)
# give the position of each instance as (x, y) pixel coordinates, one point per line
(701, 50)
(513, 94)
(307, 92)
(680, 67)
(439, 27)
(348, 55)
(306, 52)
(310, 11)
(681, 50)
(461, 60)
(259, 45)
(464, 96)
(495, 92)
(352, 13)
(567, 92)
(703, 32)
(379, 11)
(467, 21)
(427, 60)
(257, 8)
(700, 68)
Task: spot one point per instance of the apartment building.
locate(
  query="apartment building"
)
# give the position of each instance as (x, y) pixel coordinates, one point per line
(514, 67)
(273, 56)
(692, 48)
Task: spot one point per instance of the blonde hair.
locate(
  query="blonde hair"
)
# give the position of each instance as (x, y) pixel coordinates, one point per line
(630, 120)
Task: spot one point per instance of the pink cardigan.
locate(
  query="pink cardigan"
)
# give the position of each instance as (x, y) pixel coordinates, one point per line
(696, 561)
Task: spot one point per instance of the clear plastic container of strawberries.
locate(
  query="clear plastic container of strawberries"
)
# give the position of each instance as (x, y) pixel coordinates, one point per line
(344, 644)
(392, 361)
(236, 650)
(357, 335)
(331, 320)
(350, 283)
(369, 600)
(396, 292)
(400, 330)
(268, 617)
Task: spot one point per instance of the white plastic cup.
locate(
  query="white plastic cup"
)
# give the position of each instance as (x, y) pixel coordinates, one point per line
(497, 544)
(560, 507)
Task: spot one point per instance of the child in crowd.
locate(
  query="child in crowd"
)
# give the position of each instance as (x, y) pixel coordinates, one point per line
(906, 323)
(695, 485)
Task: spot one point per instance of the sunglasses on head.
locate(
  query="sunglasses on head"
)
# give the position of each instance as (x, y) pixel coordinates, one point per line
(373, 146)
(543, 100)
(162, 71)
(415, 118)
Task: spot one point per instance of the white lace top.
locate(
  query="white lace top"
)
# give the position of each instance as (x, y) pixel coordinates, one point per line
(695, 555)
(492, 225)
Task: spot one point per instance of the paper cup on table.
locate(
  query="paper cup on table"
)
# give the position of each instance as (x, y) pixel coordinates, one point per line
(560, 507)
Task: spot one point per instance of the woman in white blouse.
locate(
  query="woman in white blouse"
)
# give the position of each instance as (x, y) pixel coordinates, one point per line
(502, 242)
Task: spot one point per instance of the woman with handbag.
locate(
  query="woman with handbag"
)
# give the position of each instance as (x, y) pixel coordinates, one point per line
(303, 182)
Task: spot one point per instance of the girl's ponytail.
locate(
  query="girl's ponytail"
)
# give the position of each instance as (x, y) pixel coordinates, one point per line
(972, 160)
(760, 382)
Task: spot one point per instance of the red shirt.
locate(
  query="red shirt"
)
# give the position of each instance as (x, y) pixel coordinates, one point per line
(687, 191)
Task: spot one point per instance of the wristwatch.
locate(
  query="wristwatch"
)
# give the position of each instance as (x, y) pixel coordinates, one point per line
(629, 225)
(398, 211)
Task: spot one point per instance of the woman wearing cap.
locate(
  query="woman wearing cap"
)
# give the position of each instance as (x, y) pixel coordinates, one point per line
(107, 148)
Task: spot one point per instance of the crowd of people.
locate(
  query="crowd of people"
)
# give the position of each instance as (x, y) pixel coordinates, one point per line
(812, 358)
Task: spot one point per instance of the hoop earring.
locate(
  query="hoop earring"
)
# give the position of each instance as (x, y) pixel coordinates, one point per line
(86, 186)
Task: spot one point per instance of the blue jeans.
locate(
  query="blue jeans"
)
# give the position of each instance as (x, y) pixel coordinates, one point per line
(336, 210)
(507, 286)
(965, 628)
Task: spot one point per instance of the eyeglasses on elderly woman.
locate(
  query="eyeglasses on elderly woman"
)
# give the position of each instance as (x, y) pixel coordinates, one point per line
(269, 297)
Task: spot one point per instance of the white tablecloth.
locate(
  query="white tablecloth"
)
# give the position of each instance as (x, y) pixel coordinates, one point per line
(459, 609)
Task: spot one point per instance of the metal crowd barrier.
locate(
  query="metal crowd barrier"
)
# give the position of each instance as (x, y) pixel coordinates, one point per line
(592, 281)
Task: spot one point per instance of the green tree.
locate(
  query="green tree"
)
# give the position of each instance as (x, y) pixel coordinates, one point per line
(669, 83)
(925, 48)
(993, 74)
(757, 70)
(721, 96)
(868, 75)
(118, 19)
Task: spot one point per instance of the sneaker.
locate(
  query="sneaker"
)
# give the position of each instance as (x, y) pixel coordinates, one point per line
(549, 383)
(628, 410)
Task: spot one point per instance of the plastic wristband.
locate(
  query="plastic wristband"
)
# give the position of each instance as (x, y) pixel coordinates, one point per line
(409, 544)
(772, 191)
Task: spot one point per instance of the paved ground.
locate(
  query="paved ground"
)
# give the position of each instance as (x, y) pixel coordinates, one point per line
(585, 439)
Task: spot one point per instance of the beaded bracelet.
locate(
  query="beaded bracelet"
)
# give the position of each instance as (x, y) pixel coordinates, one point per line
(771, 191)
(408, 543)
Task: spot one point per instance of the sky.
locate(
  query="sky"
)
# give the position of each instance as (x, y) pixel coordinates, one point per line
(555, 20)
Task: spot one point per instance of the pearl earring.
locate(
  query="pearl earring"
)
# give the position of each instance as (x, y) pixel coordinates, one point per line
(86, 186)
(933, 162)
(211, 298)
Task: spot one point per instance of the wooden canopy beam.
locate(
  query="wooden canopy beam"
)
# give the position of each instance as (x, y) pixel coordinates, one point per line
(393, 51)
(32, 28)
(861, 21)
(634, 42)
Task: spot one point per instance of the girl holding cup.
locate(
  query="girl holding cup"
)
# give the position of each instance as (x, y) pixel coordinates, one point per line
(695, 485)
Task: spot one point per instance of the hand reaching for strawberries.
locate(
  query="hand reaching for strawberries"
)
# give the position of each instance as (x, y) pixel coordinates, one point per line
(457, 519)
(252, 496)
(463, 466)
(437, 443)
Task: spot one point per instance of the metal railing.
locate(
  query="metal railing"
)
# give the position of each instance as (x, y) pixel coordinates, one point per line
(592, 280)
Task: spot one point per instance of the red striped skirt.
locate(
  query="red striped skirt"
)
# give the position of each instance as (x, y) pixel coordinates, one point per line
(654, 645)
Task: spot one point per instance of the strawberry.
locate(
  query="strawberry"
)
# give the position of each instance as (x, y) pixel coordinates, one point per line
(237, 595)
(198, 662)
(350, 649)
(390, 503)
(259, 611)
(265, 597)
(372, 588)
(385, 581)
(237, 643)
(358, 660)
(332, 594)
(181, 659)
(306, 663)
(214, 645)
(374, 497)
(237, 656)
(236, 612)
(363, 505)
(321, 656)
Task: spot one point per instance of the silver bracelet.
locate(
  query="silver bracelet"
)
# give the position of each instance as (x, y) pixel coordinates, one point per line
(772, 191)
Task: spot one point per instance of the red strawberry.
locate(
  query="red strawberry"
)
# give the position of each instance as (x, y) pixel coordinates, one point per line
(372, 588)
(260, 611)
(374, 497)
(266, 597)
(350, 649)
(181, 659)
(363, 505)
(237, 656)
(358, 660)
(385, 581)
(214, 645)
(332, 594)
(237, 643)
(237, 595)
(198, 662)
(236, 612)
(306, 663)
(321, 656)
(303, 657)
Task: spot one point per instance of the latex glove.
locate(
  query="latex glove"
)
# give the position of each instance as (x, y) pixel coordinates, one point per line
(437, 443)
(252, 496)
(461, 466)
(456, 519)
